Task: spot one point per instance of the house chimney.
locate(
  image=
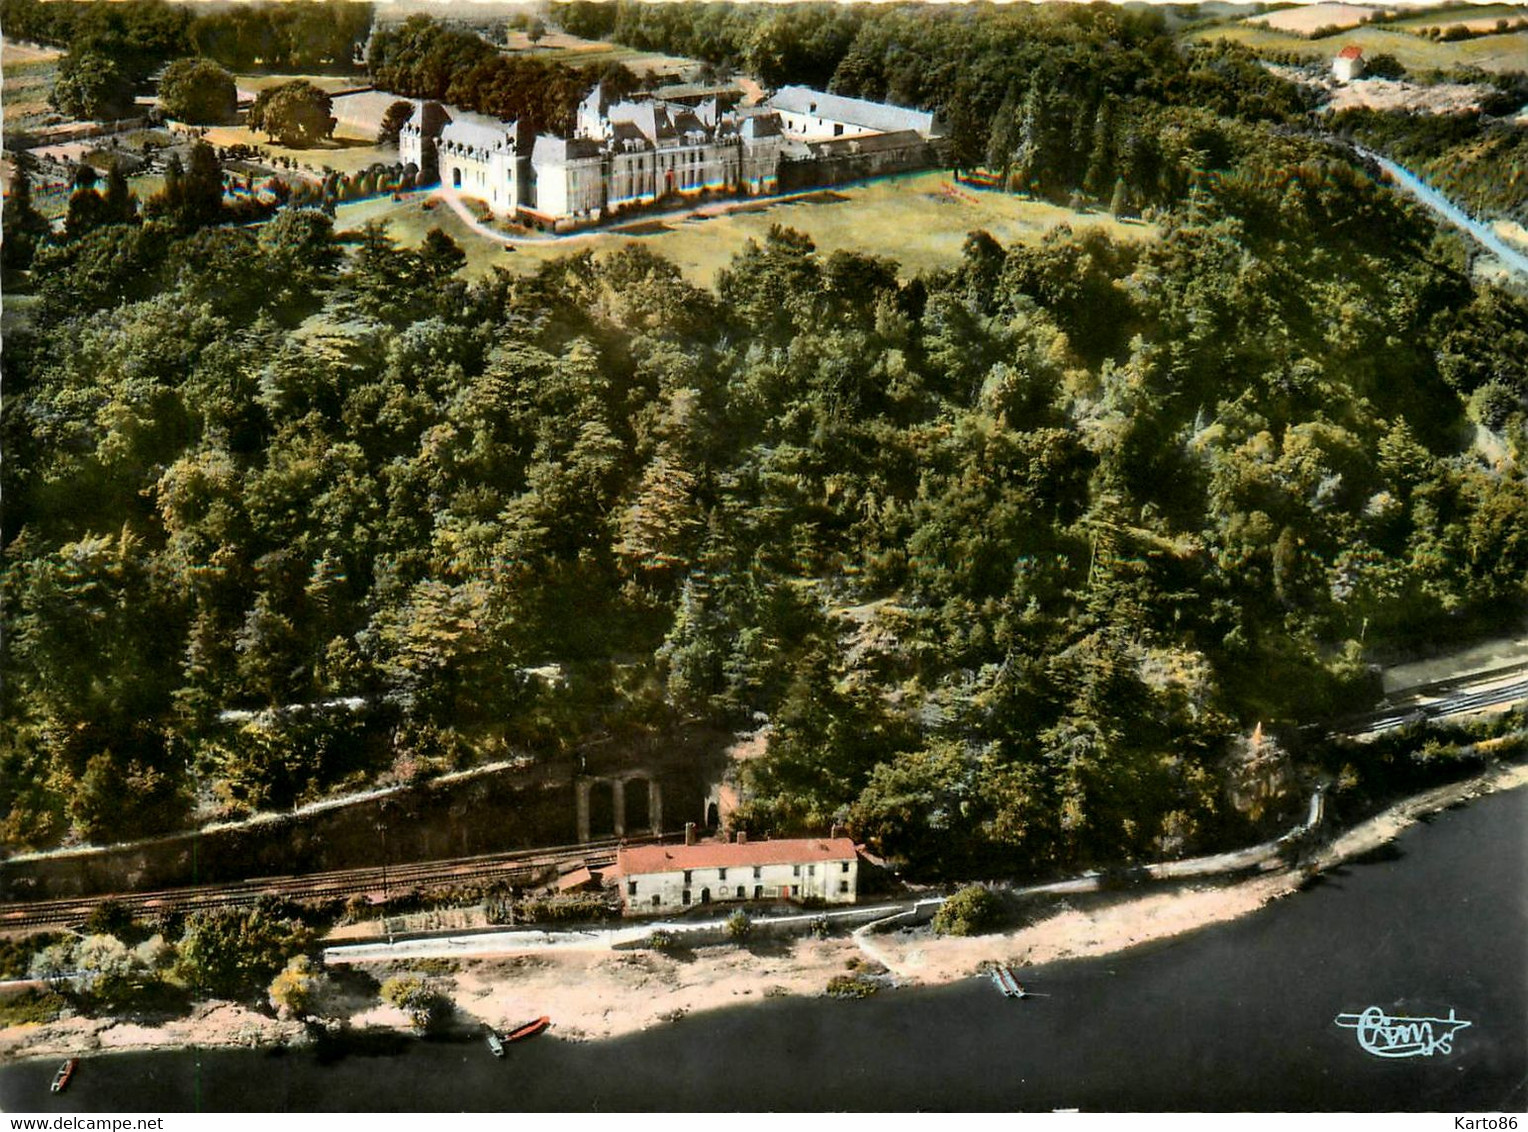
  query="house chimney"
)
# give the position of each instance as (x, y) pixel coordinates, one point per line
(836, 832)
(689, 833)
(742, 837)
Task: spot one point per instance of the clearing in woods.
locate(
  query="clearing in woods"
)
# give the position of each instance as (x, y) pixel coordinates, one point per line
(1495, 53)
(919, 219)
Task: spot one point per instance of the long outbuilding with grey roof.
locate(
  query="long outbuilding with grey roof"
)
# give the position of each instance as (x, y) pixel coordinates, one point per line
(815, 115)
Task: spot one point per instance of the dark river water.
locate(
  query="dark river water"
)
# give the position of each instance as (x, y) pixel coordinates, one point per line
(1236, 1017)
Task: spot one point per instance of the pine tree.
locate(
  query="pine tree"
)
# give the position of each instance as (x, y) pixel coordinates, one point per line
(121, 205)
(1030, 153)
(1004, 137)
(24, 227)
(1101, 160)
(1119, 204)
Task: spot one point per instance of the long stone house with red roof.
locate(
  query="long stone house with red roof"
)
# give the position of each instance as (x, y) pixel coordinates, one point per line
(656, 879)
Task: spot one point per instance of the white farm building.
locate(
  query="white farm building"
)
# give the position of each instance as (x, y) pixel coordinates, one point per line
(671, 878)
(813, 115)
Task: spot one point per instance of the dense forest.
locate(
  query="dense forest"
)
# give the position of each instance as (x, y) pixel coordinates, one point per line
(1056, 98)
(423, 58)
(142, 35)
(1011, 556)
(1478, 160)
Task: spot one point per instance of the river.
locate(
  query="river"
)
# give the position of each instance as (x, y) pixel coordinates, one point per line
(1240, 1016)
(1511, 257)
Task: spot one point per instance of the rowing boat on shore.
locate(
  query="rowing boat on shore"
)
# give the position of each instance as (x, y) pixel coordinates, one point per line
(528, 1030)
(1003, 978)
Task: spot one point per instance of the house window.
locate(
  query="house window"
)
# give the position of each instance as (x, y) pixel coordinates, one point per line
(686, 876)
(721, 874)
(795, 870)
(843, 886)
(758, 892)
(845, 866)
(795, 890)
(631, 888)
(684, 897)
(657, 900)
(757, 872)
(740, 892)
(811, 870)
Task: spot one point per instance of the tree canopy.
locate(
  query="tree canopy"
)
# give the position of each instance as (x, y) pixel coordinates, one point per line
(197, 91)
(296, 114)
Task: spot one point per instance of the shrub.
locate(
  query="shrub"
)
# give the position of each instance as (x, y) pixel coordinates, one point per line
(971, 911)
(427, 1005)
(32, 1006)
(110, 917)
(664, 940)
(852, 986)
(560, 909)
(739, 926)
(16, 954)
(293, 990)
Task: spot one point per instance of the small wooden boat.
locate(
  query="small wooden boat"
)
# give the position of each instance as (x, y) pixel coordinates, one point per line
(528, 1030)
(1004, 979)
(496, 1044)
(64, 1075)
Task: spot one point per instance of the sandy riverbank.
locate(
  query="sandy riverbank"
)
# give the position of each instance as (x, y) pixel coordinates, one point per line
(592, 994)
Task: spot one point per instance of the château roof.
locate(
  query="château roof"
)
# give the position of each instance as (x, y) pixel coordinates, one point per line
(1351, 51)
(552, 150)
(853, 111)
(477, 131)
(645, 859)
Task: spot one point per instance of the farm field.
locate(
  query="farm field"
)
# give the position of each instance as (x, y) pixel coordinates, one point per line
(28, 78)
(919, 219)
(559, 47)
(1311, 18)
(1496, 53)
(1481, 17)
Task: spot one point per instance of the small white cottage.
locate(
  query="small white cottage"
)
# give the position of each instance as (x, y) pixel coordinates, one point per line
(1349, 64)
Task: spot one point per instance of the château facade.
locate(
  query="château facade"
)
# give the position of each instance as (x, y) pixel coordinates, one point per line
(626, 154)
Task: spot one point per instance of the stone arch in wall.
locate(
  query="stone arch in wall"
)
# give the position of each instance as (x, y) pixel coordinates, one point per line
(638, 803)
(623, 805)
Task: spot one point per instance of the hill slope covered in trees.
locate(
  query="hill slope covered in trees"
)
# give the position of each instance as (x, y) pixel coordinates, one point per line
(1008, 554)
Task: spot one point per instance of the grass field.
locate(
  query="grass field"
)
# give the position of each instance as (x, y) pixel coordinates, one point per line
(330, 83)
(912, 218)
(349, 150)
(1309, 18)
(1478, 17)
(29, 74)
(568, 49)
(1496, 53)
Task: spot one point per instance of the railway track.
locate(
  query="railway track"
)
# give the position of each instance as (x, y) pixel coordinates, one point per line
(513, 868)
(1460, 702)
